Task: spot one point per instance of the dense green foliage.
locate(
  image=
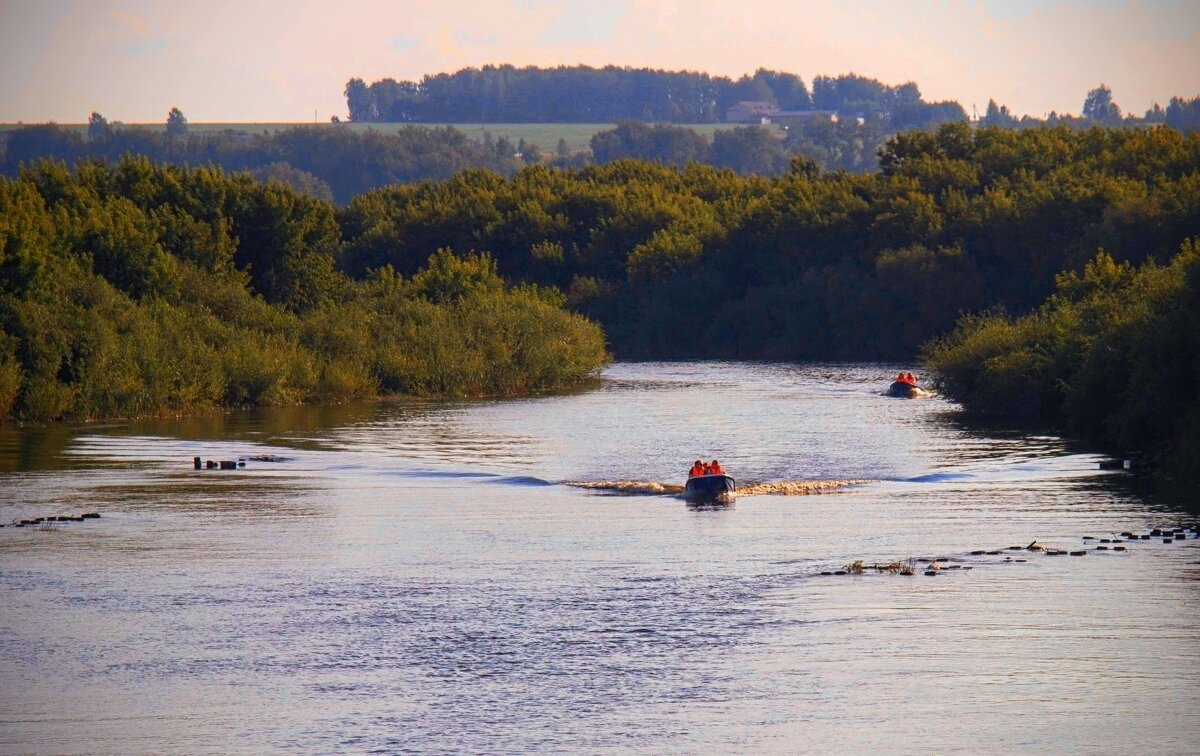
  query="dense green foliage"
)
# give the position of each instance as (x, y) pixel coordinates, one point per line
(143, 288)
(1113, 354)
(701, 262)
(582, 94)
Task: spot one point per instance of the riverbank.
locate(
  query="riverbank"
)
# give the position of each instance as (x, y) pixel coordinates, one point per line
(1112, 356)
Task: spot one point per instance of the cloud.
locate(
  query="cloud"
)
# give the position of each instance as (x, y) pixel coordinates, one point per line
(584, 23)
(402, 42)
(130, 33)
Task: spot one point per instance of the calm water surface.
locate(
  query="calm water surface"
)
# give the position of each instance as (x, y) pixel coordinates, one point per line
(421, 576)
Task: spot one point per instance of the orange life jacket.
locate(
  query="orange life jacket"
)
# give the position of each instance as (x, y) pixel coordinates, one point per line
(716, 470)
(696, 470)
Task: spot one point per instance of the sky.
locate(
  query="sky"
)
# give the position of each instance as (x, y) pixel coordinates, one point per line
(289, 60)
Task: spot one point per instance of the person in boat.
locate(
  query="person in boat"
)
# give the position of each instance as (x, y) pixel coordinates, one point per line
(902, 378)
(912, 378)
(697, 469)
(714, 468)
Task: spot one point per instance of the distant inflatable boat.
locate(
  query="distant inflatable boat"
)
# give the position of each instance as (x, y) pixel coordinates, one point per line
(709, 487)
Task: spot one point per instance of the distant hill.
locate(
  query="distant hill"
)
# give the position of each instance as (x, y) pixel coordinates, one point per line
(582, 94)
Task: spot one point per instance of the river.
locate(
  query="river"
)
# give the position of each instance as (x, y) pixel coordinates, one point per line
(430, 576)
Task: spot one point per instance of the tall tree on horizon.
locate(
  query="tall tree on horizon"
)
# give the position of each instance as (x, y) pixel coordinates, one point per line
(1099, 106)
(177, 124)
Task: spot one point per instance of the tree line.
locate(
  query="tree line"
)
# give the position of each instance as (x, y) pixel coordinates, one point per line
(1099, 109)
(144, 288)
(583, 94)
(326, 162)
(334, 162)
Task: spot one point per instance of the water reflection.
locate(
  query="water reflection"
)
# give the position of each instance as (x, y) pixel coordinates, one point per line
(420, 576)
(710, 506)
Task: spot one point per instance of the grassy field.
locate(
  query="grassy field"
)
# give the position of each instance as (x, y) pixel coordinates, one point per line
(544, 135)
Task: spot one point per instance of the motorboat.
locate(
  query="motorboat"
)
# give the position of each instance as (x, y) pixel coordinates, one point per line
(709, 487)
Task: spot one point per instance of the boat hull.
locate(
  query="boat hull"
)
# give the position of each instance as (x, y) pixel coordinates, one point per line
(903, 390)
(709, 487)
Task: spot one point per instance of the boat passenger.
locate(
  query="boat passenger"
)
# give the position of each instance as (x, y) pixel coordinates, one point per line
(714, 468)
(697, 469)
(902, 378)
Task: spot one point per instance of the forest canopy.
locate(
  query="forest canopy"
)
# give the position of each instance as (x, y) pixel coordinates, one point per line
(144, 288)
(696, 261)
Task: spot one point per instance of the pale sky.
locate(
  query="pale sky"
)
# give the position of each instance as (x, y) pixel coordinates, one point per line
(254, 60)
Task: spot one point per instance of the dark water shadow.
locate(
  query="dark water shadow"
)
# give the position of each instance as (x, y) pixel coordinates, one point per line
(709, 506)
(1159, 494)
(37, 448)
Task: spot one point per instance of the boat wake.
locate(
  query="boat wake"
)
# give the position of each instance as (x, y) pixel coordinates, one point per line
(797, 487)
(651, 488)
(629, 487)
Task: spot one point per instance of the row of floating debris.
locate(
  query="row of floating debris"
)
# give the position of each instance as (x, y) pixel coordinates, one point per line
(229, 464)
(43, 521)
(212, 464)
(934, 565)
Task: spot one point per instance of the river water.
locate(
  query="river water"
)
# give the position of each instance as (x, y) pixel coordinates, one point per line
(421, 576)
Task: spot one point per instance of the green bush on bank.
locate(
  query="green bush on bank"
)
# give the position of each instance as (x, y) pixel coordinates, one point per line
(146, 289)
(1113, 355)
